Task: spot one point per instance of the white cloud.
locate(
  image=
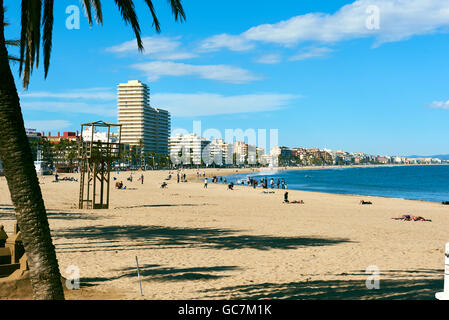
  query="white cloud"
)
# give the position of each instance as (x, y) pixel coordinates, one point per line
(208, 104)
(399, 20)
(269, 59)
(46, 125)
(439, 105)
(310, 53)
(162, 48)
(157, 69)
(233, 43)
(151, 44)
(71, 107)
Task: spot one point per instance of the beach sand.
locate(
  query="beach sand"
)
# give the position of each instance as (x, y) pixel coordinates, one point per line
(196, 243)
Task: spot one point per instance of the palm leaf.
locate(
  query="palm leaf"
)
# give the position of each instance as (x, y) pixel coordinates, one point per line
(14, 43)
(11, 43)
(33, 11)
(128, 12)
(47, 22)
(178, 10)
(13, 58)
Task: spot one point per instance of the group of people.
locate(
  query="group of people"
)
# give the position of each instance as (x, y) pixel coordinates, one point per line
(181, 177)
(71, 179)
(199, 175)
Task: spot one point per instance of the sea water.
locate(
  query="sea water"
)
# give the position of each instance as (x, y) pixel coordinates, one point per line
(421, 182)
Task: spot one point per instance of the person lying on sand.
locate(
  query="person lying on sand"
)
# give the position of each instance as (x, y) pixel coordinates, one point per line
(292, 202)
(407, 217)
(446, 203)
(119, 185)
(231, 186)
(363, 202)
(297, 202)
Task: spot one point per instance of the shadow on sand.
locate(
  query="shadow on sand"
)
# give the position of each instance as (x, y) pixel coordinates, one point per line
(8, 212)
(162, 206)
(394, 285)
(162, 274)
(155, 237)
(57, 215)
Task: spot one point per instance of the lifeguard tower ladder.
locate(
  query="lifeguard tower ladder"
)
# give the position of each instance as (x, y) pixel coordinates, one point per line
(96, 157)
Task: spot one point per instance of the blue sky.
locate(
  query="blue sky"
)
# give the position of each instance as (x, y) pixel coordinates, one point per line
(312, 69)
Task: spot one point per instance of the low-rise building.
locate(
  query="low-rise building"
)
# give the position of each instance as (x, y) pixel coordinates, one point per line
(187, 149)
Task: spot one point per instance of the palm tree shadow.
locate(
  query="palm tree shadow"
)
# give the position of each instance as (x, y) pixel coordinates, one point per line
(7, 212)
(418, 285)
(162, 206)
(58, 215)
(157, 273)
(152, 237)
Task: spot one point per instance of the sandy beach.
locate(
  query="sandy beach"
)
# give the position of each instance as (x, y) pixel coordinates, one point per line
(196, 243)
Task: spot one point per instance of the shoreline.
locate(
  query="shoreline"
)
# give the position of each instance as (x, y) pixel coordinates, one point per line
(226, 172)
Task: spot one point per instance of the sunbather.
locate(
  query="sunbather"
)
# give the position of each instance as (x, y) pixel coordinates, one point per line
(292, 202)
(407, 217)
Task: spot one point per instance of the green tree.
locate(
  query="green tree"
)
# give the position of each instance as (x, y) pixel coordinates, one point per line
(15, 150)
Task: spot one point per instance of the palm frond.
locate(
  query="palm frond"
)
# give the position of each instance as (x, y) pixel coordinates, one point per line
(30, 38)
(178, 10)
(98, 11)
(33, 11)
(156, 23)
(13, 43)
(88, 10)
(128, 12)
(13, 58)
(47, 39)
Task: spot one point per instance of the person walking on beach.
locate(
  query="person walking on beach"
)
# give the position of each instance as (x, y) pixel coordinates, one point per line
(205, 183)
(141, 178)
(178, 177)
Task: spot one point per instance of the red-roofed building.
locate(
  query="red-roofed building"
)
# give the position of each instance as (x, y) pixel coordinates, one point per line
(71, 136)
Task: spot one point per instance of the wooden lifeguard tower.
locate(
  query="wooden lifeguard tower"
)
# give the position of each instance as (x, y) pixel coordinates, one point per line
(96, 152)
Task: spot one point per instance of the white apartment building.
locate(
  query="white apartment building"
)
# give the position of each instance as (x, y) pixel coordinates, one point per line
(140, 122)
(221, 152)
(187, 149)
(99, 136)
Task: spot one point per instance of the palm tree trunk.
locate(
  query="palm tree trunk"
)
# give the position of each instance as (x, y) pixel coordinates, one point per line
(16, 156)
